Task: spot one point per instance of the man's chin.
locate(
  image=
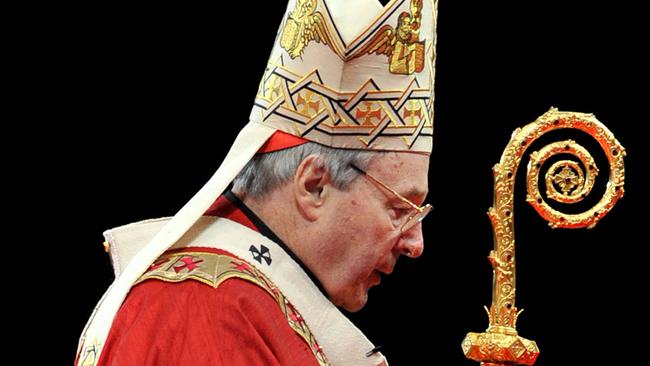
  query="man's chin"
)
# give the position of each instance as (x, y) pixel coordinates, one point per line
(355, 304)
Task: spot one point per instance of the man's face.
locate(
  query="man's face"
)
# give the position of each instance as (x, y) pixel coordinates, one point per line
(364, 224)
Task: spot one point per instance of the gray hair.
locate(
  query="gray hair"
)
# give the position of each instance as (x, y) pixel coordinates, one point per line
(265, 172)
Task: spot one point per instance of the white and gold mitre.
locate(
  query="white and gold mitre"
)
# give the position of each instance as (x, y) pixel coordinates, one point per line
(353, 74)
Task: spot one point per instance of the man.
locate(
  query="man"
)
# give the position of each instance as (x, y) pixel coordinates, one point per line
(351, 229)
(323, 193)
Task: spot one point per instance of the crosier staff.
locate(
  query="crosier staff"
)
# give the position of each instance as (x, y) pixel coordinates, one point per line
(500, 344)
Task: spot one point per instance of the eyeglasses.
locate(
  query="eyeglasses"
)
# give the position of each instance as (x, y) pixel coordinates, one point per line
(420, 212)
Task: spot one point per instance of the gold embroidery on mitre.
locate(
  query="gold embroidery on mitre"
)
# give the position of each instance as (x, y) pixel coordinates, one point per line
(273, 88)
(412, 113)
(308, 103)
(304, 24)
(368, 113)
(374, 92)
(401, 44)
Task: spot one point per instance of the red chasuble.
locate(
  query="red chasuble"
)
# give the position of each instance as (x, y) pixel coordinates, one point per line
(194, 323)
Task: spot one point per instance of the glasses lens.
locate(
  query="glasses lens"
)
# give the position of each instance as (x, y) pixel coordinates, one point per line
(416, 218)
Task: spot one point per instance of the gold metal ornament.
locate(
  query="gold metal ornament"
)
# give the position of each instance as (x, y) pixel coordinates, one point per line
(566, 182)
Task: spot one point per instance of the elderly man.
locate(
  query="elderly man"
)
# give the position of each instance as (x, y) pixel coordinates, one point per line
(319, 196)
(351, 230)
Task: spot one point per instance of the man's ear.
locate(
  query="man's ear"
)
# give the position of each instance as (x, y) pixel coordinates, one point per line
(310, 186)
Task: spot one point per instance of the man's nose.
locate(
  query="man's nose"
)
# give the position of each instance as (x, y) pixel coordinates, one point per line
(411, 242)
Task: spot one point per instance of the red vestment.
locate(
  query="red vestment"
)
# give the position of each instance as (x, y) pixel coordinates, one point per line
(192, 323)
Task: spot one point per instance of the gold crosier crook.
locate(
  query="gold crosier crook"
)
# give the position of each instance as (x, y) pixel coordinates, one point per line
(566, 181)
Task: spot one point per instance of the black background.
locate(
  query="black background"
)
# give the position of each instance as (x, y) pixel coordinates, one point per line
(141, 102)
